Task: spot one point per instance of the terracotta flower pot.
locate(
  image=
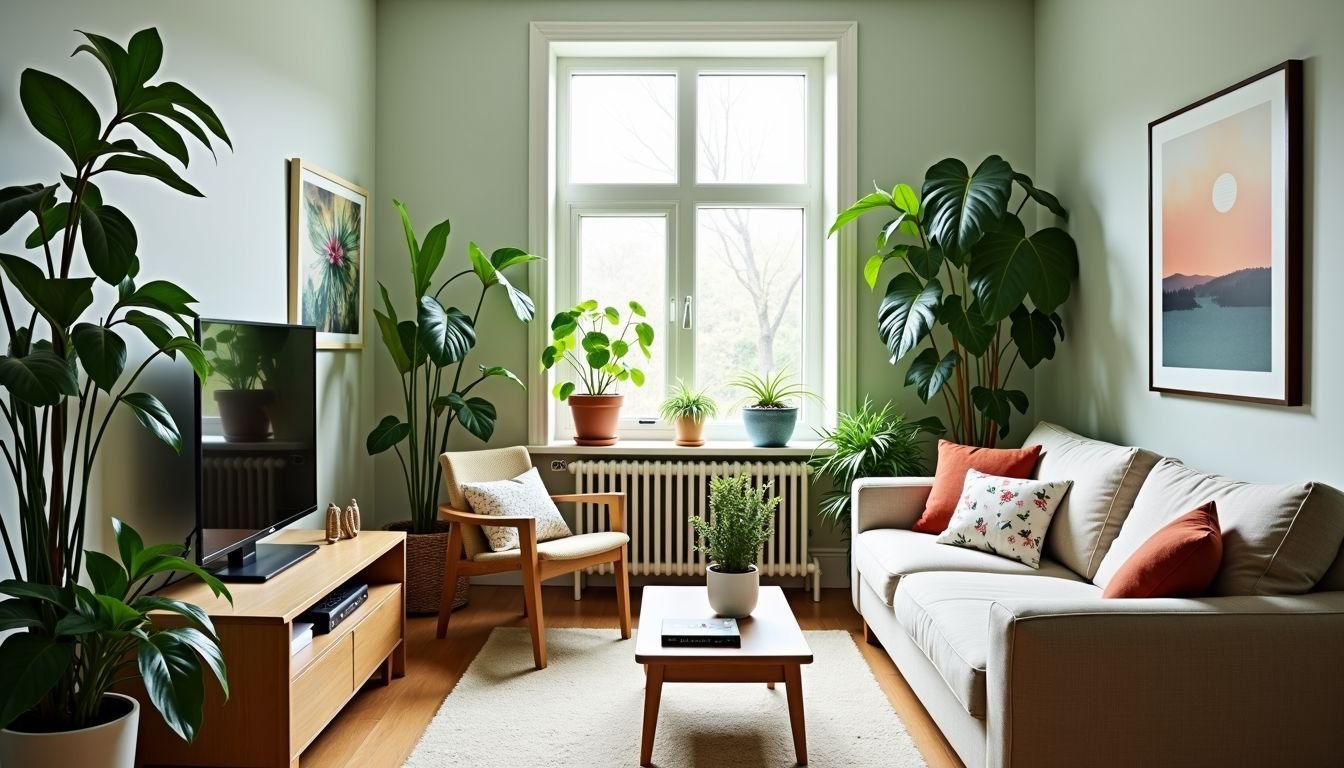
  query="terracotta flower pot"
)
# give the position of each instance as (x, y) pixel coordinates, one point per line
(690, 432)
(595, 418)
(242, 414)
(108, 744)
(426, 554)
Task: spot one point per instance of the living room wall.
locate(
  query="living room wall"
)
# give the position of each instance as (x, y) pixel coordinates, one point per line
(1104, 70)
(291, 79)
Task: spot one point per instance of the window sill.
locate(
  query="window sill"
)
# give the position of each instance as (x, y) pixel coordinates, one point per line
(711, 448)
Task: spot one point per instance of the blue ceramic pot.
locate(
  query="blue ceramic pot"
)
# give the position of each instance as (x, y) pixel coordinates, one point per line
(769, 427)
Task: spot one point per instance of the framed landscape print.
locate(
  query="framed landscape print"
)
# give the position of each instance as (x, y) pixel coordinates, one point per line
(328, 255)
(1225, 243)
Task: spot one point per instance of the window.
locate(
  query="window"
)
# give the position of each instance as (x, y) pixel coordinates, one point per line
(697, 180)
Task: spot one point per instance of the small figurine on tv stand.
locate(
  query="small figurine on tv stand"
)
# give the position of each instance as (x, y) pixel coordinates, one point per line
(350, 521)
(333, 523)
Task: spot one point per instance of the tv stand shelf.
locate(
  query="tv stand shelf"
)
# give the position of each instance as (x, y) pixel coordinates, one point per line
(280, 702)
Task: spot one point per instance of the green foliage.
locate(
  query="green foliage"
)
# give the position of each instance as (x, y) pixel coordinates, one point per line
(971, 270)
(770, 390)
(430, 352)
(246, 357)
(869, 442)
(580, 339)
(740, 522)
(64, 375)
(686, 403)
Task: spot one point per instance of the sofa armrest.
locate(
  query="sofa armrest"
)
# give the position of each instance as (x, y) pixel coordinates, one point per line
(1216, 681)
(887, 502)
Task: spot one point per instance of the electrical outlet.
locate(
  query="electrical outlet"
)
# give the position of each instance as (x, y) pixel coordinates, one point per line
(558, 465)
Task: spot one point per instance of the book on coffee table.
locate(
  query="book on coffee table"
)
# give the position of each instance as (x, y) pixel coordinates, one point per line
(691, 633)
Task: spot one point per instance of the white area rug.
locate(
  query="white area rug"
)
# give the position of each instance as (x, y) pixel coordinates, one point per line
(586, 708)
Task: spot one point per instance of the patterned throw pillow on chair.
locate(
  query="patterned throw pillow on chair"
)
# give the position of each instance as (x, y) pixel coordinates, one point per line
(523, 496)
(1004, 516)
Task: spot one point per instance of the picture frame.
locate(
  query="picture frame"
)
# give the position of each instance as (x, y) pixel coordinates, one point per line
(1225, 243)
(328, 255)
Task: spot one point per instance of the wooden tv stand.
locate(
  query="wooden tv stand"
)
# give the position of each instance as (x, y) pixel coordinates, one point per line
(279, 703)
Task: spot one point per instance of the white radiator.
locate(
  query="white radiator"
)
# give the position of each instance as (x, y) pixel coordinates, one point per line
(663, 496)
(240, 492)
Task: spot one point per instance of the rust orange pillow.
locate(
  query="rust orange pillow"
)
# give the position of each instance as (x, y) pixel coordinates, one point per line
(954, 461)
(1180, 560)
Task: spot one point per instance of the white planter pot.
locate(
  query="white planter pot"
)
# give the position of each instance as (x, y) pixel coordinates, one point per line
(733, 595)
(110, 745)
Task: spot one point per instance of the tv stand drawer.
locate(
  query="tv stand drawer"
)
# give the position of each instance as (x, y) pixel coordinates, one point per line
(377, 635)
(320, 691)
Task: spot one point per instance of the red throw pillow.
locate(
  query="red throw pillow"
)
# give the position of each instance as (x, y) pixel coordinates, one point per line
(953, 462)
(1180, 560)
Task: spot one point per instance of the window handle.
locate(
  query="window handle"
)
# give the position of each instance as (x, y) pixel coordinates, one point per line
(686, 316)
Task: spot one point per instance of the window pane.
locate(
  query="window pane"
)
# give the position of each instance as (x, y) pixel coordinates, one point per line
(623, 129)
(749, 275)
(624, 258)
(750, 129)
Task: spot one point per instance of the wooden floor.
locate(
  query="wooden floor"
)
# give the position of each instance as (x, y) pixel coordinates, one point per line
(381, 725)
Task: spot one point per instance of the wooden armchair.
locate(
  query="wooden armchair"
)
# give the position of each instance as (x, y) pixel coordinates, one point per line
(469, 554)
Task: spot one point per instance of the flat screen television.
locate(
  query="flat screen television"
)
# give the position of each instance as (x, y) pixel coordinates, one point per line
(256, 445)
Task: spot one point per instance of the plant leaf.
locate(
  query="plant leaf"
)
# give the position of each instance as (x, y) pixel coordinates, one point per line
(928, 374)
(1043, 198)
(144, 53)
(475, 414)
(523, 308)
(179, 95)
(508, 257)
(60, 300)
(1034, 335)
(106, 574)
(163, 135)
(155, 330)
(153, 167)
(190, 350)
(116, 260)
(446, 334)
(207, 649)
(387, 328)
(481, 265)
(162, 296)
(959, 207)
(60, 113)
(20, 614)
(925, 261)
(30, 664)
(497, 370)
(430, 256)
(105, 50)
(147, 603)
(39, 378)
(389, 432)
(869, 202)
(904, 197)
(873, 268)
(907, 313)
(155, 418)
(174, 682)
(16, 202)
(102, 353)
(967, 325)
(1009, 267)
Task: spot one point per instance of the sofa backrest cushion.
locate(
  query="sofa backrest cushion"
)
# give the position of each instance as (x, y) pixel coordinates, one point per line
(1277, 539)
(1106, 479)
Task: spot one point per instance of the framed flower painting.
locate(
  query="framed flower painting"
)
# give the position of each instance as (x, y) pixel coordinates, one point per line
(328, 255)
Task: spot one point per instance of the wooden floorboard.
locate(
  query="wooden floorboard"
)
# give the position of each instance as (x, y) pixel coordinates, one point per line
(381, 725)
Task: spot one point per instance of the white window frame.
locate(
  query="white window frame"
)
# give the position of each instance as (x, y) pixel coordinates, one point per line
(827, 53)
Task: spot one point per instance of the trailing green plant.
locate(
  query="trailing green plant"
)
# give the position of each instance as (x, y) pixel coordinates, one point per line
(740, 523)
(597, 358)
(868, 442)
(687, 403)
(63, 381)
(245, 357)
(1000, 299)
(430, 353)
(770, 390)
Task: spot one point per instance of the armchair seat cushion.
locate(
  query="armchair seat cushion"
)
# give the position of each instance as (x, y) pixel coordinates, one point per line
(569, 548)
(947, 617)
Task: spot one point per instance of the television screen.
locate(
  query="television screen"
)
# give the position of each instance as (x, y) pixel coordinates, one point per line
(257, 432)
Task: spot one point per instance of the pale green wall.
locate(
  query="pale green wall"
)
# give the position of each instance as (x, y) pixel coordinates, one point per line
(937, 78)
(1103, 71)
(288, 79)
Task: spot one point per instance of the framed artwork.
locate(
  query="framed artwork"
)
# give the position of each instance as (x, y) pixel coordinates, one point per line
(328, 255)
(1225, 243)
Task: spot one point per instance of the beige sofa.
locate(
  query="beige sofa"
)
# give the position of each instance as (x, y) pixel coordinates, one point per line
(1023, 667)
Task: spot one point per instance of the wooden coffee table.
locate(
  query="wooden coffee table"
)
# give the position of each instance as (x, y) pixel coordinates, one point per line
(773, 650)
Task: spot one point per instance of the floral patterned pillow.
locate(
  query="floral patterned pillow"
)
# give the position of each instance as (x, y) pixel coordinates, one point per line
(1004, 516)
(524, 495)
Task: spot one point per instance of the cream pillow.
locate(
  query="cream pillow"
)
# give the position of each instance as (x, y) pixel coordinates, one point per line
(1004, 516)
(523, 496)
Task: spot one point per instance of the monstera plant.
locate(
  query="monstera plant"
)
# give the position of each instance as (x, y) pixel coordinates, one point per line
(65, 378)
(976, 293)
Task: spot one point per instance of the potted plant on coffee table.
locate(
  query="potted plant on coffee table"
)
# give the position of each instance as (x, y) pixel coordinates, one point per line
(740, 522)
(769, 412)
(688, 410)
(430, 353)
(246, 359)
(585, 338)
(75, 621)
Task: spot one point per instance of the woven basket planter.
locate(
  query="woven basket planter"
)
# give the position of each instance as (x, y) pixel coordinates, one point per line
(426, 554)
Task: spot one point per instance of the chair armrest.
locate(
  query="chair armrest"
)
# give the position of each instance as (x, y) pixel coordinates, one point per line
(615, 502)
(887, 502)
(1196, 681)
(520, 522)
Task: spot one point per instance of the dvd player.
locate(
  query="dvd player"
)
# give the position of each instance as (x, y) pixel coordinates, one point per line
(336, 607)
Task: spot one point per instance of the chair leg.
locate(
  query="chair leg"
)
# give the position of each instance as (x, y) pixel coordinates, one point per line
(623, 594)
(453, 557)
(532, 602)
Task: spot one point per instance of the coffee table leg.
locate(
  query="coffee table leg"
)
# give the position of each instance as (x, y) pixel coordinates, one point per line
(653, 694)
(793, 684)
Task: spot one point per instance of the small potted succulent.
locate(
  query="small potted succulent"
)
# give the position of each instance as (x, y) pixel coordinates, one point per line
(586, 338)
(769, 412)
(740, 523)
(688, 410)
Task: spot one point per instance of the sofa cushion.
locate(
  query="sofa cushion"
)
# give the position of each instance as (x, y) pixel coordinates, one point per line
(1004, 516)
(947, 616)
(884, 555)
(1180, 560)
(1106, 478)
(954, 461)
(1277, 539)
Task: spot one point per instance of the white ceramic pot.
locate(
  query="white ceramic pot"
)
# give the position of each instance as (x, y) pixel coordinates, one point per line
(733, 595)
(110, 745)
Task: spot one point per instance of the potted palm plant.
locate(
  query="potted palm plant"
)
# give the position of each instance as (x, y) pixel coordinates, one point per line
(688, 410)
(868, 442)
(768, 411)
(77, 620)
(741, 519)
(246, 359)
(430, 353)
(584, 338)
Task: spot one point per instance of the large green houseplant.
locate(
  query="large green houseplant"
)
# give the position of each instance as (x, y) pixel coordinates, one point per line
(970, 268)
(430, 353)
(63, 379)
